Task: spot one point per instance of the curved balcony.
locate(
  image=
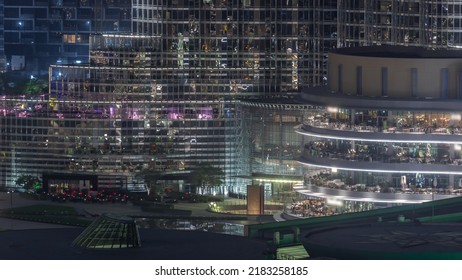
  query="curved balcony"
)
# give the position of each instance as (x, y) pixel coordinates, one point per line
(371, 135)
(324, 97)
(378, 197)
(382, 167)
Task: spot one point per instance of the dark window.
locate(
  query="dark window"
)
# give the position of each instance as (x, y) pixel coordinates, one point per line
(11, 12)
(384, 81)
(444, 82)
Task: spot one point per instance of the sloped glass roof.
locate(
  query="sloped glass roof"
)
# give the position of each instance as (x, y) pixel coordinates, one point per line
(109, 232)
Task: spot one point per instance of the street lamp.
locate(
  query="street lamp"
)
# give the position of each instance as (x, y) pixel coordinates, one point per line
(11, 200)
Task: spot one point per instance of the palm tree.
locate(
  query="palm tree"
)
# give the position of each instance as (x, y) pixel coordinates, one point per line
(150, 177)
(29, 182)
(206, 176)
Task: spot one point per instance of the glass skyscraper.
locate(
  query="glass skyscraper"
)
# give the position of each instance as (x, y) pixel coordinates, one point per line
(164, 98)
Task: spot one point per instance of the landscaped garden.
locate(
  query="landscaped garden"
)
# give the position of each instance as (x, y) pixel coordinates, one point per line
(54, 214)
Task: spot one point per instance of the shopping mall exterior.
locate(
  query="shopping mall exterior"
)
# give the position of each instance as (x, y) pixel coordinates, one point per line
(387, 128)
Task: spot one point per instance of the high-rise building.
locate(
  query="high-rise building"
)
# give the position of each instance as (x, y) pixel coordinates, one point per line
(39, 33)
(164, 98)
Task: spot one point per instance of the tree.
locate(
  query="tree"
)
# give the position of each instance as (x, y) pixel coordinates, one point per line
(11, 83)
(206, 175)
(29, 182)
(150, 177)
(34, 86)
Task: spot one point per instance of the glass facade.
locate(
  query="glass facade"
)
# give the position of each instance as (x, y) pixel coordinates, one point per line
(267, 144)
(47, 32)
(272, 146)
(256, 46)
(166, 97)
(123, 112)
(427, 23)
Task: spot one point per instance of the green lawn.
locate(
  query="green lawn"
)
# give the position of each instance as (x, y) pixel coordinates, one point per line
(53, 214)
(45, 209)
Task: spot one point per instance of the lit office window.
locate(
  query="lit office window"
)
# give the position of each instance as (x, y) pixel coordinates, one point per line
(69, 38)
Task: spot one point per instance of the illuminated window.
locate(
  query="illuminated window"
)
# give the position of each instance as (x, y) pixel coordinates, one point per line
(69, 38)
